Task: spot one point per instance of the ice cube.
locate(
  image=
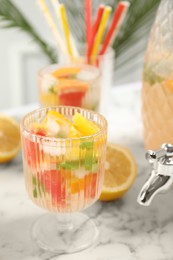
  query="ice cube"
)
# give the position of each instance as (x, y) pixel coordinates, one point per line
(53, 149)
(87, 75)
(53, 127)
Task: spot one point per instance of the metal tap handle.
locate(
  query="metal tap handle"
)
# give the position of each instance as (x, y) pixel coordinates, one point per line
(161, 160)
(161, 175)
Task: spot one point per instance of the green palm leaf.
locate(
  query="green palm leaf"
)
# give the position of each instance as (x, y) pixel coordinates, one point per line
(136, 25)
(11, 17)
(140, 13)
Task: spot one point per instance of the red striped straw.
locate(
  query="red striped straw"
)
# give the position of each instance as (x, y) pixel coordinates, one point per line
(88, 19)
(118, 19)
(94, 30)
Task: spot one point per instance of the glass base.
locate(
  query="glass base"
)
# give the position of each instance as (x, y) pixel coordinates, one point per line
(64, 233)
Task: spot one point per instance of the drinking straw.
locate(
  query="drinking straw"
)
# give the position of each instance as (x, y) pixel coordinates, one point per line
(88, 19)
(66, 29)
(56, 6)
(52, 25)
(117, 21)
(94, 30)
(99, 36)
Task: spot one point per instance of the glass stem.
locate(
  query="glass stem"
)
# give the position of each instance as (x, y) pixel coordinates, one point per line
(64, 221)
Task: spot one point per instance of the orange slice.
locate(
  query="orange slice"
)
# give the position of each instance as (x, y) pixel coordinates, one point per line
(120, 172)
(9, 138)
(77, 185)
(84, 126)
(70, 84)
(65, 72)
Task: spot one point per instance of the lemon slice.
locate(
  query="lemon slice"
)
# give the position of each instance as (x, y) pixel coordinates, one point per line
(120, 172)
(74, 133)
(84, 126)
(59, 118)
(9, 138)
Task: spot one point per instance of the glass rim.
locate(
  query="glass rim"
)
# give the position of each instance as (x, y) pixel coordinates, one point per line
(41, 72)
(55, 139)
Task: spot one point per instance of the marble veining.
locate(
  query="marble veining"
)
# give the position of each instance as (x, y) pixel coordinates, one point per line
(128, 231)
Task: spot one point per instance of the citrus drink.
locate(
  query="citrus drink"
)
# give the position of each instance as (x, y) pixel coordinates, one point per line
(157, 108)
(75, 85)
(63, 154)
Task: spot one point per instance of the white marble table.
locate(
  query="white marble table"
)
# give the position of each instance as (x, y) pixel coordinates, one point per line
(127, 231)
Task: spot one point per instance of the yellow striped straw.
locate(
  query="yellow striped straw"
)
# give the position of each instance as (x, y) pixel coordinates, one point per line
(52, 25)
(56, 5)
(65, 24)
(99, 36)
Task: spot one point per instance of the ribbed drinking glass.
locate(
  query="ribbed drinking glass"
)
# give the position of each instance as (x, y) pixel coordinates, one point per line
(64, 176)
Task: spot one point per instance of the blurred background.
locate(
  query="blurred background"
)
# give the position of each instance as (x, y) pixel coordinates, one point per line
(26, 44)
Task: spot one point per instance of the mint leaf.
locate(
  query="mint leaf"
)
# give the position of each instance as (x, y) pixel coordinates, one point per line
(89, 163)
(89, 160)
(35, 193)
(34, 180)
(95, 107)
(150, 76)
(61, 135)
(39, 189)
(52, 90)
(87, 145)
(36, 183)
(73, 165)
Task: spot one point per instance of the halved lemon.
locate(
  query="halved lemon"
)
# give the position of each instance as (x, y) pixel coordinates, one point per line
(120, 172)
(9, 138)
